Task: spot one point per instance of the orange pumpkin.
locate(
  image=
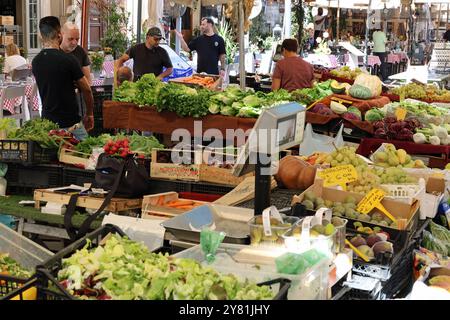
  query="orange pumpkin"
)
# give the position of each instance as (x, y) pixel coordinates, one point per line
(294, 173)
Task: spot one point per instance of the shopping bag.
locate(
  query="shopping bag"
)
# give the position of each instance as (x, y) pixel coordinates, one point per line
(314, 142)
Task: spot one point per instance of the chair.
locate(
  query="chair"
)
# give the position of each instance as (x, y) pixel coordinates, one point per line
(10, 94)
(20, 73)
(34, 94)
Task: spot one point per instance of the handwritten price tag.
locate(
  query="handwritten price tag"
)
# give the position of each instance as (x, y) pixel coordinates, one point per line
(339, 176)
(400, 113)
(373, 200)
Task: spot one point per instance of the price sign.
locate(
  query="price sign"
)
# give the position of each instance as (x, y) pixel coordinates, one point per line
(373, 200)
(400, 113)
(339, 176)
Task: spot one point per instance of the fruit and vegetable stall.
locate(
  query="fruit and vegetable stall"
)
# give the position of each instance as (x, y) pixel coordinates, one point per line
(365, 216)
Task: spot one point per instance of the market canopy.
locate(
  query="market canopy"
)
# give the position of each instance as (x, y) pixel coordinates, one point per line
(358, 4)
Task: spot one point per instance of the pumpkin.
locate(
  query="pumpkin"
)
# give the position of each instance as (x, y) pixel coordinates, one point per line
(294, 173)
(373, 83)
(337, 87)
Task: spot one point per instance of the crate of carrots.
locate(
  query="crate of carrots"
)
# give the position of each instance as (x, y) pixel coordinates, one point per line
(207, 81)
(166, 205)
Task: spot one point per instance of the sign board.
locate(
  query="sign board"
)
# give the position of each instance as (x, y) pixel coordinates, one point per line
(340, 175)
(373, 200)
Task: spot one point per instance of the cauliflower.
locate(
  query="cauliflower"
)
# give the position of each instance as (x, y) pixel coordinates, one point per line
(419, 138)
(434, 140)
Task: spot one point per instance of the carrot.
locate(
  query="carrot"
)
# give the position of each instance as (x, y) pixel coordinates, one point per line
(180, 203)
(185, 207)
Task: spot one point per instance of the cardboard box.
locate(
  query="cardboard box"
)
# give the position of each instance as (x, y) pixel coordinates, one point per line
(398, 209)
(7, 20)
(5, 40)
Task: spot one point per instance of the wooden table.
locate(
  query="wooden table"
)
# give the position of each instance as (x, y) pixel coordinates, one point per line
(118, 115)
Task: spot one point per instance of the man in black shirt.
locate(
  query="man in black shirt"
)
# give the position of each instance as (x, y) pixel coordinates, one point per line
(210, 48)
(148, 57)
(56, 74)
(69, 44)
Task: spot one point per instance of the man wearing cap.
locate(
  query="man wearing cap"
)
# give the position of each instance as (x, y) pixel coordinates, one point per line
(148, 57)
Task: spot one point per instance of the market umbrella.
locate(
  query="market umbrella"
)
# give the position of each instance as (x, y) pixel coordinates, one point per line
(155, 13)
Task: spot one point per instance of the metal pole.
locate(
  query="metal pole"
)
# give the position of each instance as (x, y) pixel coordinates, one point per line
(85, 24)
(139, 21)
(241, 45)
(439, 22)
(337, 23)
(366, 40)
(177, 41)
(287, 18)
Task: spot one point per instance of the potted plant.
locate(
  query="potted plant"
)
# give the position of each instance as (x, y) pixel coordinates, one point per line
(231, 47)
(97, 59)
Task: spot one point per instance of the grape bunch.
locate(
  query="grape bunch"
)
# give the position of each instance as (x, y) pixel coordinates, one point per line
(345, 155)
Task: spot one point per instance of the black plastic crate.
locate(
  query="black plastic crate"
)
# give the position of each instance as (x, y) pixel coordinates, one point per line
(50, 289)
(100, 94)
(37, 177)
(9, 284)
(160, 185)
(77, 176)
(25, 152)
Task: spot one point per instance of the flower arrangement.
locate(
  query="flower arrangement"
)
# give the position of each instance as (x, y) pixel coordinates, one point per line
(107, 50)
(97, 59)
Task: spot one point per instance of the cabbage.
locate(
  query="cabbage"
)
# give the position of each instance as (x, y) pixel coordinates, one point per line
(374, 115)
(252, 101)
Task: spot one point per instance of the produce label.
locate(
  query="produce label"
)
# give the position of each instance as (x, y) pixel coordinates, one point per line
(400, 113)
(370, 201)
(339, 176)
(373, 200)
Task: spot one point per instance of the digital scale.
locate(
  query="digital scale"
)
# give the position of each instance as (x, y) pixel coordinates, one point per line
(276, 129)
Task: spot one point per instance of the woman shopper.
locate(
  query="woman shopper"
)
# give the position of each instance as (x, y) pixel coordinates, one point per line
(13, 58)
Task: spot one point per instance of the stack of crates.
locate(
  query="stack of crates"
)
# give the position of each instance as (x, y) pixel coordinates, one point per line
(100, 93)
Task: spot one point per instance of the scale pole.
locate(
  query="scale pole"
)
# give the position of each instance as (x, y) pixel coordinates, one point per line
(262, 184)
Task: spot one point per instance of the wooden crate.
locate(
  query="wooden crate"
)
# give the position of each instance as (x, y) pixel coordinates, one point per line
(73, 157)
(116, 205)
(198, 171)
(7, 20)
(152, 209)
(5, 40)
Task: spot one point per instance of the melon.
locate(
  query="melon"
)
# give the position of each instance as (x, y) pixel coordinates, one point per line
(337, 87)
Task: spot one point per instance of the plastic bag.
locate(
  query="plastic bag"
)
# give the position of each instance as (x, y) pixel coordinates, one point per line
(210, 242)
(434, 244)
(294, 263)
(314, 142)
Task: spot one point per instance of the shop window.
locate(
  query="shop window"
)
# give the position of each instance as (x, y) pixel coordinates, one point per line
(33, 14)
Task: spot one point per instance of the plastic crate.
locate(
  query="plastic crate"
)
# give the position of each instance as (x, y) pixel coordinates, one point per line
(161, 185)
(311, 285)
(37, 177)
(77, 176)
(48, 286)
(26, 252)
(50, 289)
(406, 193)
(362, 288)
(25, 152)
(280, 198)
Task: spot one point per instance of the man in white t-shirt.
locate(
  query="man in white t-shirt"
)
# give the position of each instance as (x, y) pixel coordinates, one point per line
(13, 58)
(319, 24)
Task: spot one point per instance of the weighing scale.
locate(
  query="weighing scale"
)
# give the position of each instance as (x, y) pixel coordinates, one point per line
(276, 129)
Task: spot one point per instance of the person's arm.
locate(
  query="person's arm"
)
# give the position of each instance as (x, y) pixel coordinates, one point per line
(222, 65)
(319, 21)
(165, 74)
(183, 43)
(276, 84)
(87, 73)
(276, 77)
(86, 91)
(166, 63)
(118, 64)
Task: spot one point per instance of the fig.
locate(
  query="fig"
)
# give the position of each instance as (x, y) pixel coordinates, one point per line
(382, 246)
(337, 222)
(368, 251)
(358, 241)
(372, 239)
